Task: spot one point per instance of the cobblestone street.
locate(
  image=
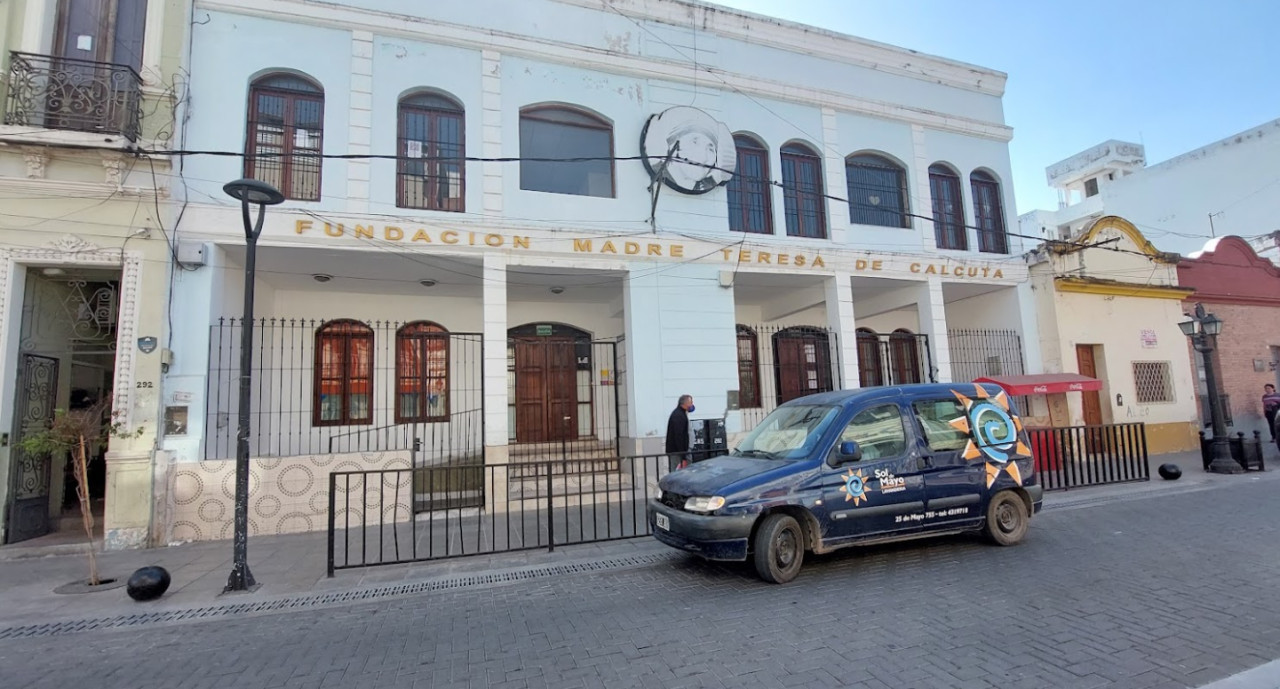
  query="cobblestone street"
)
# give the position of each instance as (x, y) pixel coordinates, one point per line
(1171, 591)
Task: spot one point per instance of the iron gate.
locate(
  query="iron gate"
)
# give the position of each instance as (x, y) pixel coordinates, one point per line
(30, 473)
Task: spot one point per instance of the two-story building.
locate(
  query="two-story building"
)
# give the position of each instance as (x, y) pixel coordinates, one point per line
(518, 230)
(84, 251)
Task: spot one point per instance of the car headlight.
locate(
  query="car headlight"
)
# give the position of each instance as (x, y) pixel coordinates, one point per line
(704, 504)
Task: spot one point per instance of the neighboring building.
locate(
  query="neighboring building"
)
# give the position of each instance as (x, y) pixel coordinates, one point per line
(1243, 290)
(463, 292)
(1110, 312)
(84, 264)
(1225, 188)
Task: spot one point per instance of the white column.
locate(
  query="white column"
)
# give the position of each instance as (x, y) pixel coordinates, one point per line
(840, 319)
(921, 197)
(360, 127)
(494, 299)
(642, 319)
(491, 130)
(933, 322)
(834, 177)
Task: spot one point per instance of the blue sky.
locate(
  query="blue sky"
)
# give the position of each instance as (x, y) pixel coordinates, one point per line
(1171, 74)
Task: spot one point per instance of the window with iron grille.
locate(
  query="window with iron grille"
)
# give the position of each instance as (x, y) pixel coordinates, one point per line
(870, 360)
(802, 193)
(877, 191)
(285, 132)
(432, 169)
(989, 214)
(748, 369)
(948, 208)
(343, 385)
(566, 151)
(750, 208)
(1152, 382)
(422, 372)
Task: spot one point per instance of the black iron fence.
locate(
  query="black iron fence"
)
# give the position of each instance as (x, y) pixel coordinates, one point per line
(779, 363)
(563, 398)
(898, 358)
(79, 95)
(1077, 456)
(412, 515)
(368, 386)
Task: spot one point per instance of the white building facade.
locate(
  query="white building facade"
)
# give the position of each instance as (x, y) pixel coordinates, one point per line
(474, 264)
(1225, 188)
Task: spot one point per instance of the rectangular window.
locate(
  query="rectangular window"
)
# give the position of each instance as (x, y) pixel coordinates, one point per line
(935, 418)
(432, 168)
(802, 195)
(948, 211)
(422, 377)
(989, 216)
(1152, 382)
(549, 139)
(748, 190)
(1091, 187)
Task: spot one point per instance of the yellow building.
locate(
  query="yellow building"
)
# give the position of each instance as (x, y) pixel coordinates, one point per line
(1111, 311)
(84, 253)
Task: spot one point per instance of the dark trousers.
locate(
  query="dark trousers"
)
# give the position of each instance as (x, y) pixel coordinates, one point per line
(1271, 423)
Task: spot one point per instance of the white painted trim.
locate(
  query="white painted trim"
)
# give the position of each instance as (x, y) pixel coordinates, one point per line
(387, 24)
(63, 189)
(72, 250)
(153, 43)
(38, 26)
(760, 29)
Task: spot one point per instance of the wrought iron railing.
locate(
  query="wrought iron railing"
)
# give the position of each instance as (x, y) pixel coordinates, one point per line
(79, 95)
(1077, 456)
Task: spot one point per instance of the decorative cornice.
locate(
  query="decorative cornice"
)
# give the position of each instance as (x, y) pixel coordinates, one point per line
(390, 24)
(1116, 288)
(1124, 227)
(52, 188)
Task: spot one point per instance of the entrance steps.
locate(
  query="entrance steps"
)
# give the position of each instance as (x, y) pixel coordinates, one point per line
(577, 468)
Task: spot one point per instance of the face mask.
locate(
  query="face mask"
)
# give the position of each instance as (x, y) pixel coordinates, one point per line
(691, 408)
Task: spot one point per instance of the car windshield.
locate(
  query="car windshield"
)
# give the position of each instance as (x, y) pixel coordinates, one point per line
(789, 432)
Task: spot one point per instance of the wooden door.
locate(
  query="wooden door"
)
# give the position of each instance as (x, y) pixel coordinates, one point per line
(803, 364)
(546, 390)
(1092, 399)
(30, 472)
(102, 31)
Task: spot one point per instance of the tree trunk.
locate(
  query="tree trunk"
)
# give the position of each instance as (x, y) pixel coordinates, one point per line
(80, 468)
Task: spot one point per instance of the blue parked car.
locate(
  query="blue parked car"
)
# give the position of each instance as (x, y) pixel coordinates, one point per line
(856, 467)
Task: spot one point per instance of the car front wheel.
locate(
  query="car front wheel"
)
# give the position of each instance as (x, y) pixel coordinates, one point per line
(779, 549)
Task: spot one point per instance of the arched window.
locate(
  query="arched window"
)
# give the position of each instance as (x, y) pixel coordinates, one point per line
(802, 192)
(802, 362)
(285, 132)
(904, 355)
(432, 169)
(948, 208)
(870, 361)
(877, 191)
(343, 372)
(557, 132)
(748, 369)
(750, 208)
(989, 213)
(422, 372)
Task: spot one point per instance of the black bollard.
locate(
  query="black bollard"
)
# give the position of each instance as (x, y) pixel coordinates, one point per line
(148, 583)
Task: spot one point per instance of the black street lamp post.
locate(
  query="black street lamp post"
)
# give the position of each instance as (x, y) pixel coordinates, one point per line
(261, 194)
(1203, 329)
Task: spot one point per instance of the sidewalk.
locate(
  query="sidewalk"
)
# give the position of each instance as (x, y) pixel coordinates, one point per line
(291, 568)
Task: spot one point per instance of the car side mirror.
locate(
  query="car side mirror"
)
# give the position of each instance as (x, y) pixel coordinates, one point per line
(848, 451)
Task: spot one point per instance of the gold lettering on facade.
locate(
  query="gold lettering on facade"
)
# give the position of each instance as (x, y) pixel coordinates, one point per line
(800, 259)
(655, 249)
(421, 236)
(877, 265)
(763, 256)
(818, 262)
(677, 251)
(999, 273)
(392, 233)
(363, 232)
(333, 231)
(582, 245)
(784, 259)
(520, 242)
(494, 240)
(608, 248)
(449, 237)
(300, 226)
(915, 267)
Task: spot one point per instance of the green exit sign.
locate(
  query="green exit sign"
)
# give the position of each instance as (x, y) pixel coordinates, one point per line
(544, 330)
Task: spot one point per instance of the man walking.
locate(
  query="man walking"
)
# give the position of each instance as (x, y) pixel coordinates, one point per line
(678, 433)
(1270, 405)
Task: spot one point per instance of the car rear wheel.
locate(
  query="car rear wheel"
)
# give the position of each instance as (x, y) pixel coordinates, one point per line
(1007, 518)
(779, 549)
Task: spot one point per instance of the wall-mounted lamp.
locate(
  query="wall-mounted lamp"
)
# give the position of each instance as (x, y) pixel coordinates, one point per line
(321, 277)
(557, 290)
(427, 283)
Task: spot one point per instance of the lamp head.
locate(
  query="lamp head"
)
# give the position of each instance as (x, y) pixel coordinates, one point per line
(254, 191)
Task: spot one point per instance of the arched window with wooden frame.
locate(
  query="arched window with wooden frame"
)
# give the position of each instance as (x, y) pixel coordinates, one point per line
(803, 197)
(802, 362)
(343, 373)
(566, 150)
(948, 208)
(749, 191)
(904, 357)
(748, 369)
(870, 361)
(432, 166)
(285, 134)
(877, 191)
(988, 213)
(422, 373)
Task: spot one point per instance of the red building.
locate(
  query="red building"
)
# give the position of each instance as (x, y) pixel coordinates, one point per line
(1242, 289)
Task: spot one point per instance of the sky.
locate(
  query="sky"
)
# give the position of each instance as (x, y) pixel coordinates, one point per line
(1173, 75)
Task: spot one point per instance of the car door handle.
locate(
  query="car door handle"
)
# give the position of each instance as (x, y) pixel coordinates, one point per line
(924, 462)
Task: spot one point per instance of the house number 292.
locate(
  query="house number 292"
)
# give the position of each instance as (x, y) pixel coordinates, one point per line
(145, 384)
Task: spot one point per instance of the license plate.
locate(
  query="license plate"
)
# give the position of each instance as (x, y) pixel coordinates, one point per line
(662, 521)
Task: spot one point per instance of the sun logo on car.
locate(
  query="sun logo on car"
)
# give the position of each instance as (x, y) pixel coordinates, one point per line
(994, 432)
(855, 487)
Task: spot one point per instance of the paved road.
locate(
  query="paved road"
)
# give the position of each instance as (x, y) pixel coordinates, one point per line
(1173, 591)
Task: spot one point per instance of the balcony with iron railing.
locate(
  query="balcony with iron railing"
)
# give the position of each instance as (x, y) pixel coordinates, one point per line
(74, 95)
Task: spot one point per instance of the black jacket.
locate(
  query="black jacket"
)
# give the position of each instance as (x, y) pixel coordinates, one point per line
(678, 431)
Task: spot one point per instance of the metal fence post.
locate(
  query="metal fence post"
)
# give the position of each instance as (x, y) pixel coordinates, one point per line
(551, 521)
(333, 486)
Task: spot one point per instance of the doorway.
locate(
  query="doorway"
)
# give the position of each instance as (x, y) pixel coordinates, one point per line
(802, 361)
(67, 350)
(1085, 360)
(101, 31)
(548, 402)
